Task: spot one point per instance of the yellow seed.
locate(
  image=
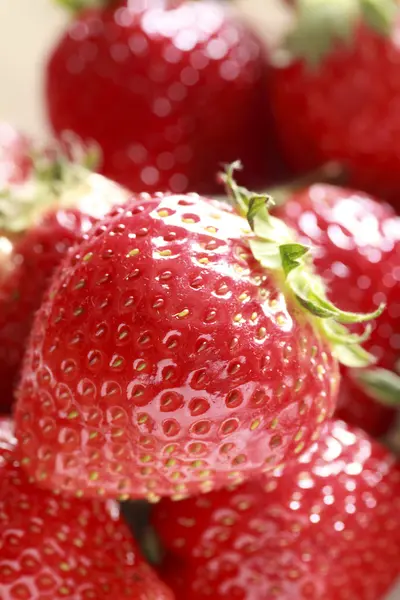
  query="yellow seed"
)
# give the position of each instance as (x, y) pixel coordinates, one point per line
(88, 257)
(205, 473)
(163, 213)
(184, 313)
(146, 458)
(256, 423)
(254, 316)
(73, 414)
(188, 220)
(281, 320)
(164, 252)
(133, 252)
(171, 462)
(142, 419)
(298, 436)
(93, 476)
(204, 260)
(237, 318)
(243, 297)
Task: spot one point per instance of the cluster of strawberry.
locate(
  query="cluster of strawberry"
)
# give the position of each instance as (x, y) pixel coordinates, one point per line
(226, 361)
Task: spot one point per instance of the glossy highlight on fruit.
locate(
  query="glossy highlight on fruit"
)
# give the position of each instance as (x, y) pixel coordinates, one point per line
(326, 526)
(170, 90)
(52, 548)
(356, 241)
(167, 361)
(335, 92)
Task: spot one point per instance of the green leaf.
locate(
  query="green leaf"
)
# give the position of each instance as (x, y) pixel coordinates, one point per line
(322, 24)
(310, 292)
(290, 255)
(381, 385)
(380, 15)
(275, 247)
(339, 334)
(266, 253)
(353, 356)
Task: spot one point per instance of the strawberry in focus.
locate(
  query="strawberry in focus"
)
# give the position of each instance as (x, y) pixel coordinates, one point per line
(357, 252)
(47, 204)
(326, 526)
(335, 91)
(52, 548)
(178, 351)
(169, 89)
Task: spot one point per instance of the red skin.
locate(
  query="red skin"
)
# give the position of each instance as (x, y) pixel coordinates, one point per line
(358, 255)
(34, 257)
(169, 374)
(165, 118)
(52, 548)
(326, 526)
(29, 257)
(331, 112)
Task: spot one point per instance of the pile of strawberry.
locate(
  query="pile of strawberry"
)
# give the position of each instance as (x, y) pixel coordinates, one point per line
(217, 368)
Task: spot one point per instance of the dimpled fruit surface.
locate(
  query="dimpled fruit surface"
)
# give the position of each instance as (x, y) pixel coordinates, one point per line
(52, 548)
(326, 526)
(167, 361)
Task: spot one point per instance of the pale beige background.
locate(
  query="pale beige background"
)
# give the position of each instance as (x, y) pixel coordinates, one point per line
(27, 31)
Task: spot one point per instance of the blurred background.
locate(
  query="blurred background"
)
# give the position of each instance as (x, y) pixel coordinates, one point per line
(28, 29)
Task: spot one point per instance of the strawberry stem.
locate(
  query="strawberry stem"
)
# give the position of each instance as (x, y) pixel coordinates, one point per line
(276, 248)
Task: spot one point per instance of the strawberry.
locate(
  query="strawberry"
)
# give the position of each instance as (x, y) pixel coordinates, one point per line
(181, 348)
(14, 155)
(52, 548)
(46, 205)
(326, 526)
(335, 93)
(357, 241)
(169, 89)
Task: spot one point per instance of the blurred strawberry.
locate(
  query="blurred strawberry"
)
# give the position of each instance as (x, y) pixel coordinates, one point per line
(182, 347)
(15, 161)
(170, 89)
(335, 91)
(357, 252)
(52, 548)
(326, 526)
(46, 205)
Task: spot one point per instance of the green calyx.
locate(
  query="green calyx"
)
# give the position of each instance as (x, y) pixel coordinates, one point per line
(380, 385)
(54, 174)
(275, 247)
(321, 24)
(79, 5)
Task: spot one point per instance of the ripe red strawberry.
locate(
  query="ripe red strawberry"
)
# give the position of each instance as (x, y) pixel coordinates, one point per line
(357, 241)
(326, 526)
(170, 89)
(46, 206)
(52, 548)
(176, 354)
(335, 94)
